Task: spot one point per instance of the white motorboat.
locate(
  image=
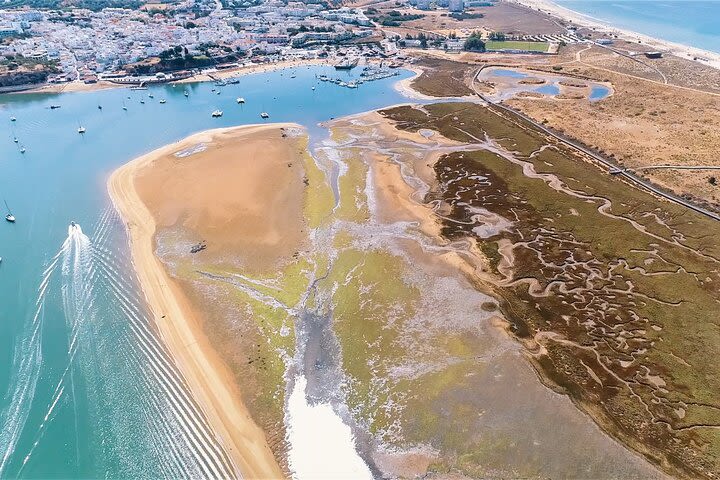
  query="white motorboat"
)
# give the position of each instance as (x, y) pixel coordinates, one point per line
(217, 114)
(240, 100)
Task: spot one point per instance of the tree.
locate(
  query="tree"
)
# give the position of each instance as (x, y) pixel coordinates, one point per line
(497, 36)
(474, 43)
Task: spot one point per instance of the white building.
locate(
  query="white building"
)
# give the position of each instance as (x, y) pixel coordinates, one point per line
(456, 5)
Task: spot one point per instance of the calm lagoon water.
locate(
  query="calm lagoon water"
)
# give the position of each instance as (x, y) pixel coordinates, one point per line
(550, 89)
(688, 22)
(598, 92)
(86, 388)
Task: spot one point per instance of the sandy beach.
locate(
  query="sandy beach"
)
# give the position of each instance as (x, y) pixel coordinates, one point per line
(179, 321)
(683, 51)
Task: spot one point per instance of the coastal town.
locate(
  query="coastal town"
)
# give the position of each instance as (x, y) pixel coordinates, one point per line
(358, 239)
(57, 46)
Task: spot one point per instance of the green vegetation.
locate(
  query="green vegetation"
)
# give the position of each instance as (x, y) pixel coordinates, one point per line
(443, 78)
(460, 16)
(492, 45)
(393, 18)
(631, 282)
(474, 43)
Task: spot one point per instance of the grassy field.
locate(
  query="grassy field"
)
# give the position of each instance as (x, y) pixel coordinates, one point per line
(512, 45)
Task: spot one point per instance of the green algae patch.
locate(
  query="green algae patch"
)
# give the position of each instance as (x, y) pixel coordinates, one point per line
(353, 201)
(319, 199)
(370, 303)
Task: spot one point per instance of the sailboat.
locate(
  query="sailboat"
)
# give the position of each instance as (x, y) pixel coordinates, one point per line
(124, 106)
(217, 114)
(186, 93)
(12, 119)
(81, 129)
(240, 100)
(22, 149)
(9, 217)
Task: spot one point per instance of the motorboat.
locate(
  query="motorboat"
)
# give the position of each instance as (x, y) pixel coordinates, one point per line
(240, 100)
(163, 101)
(217, 114)
(264, 115)
(81, 129)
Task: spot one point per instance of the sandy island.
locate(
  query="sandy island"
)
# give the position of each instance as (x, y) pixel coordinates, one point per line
(227, 156)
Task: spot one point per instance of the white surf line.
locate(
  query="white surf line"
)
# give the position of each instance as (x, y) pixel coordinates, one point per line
(78, 299)
(122, 288)
(173, 383)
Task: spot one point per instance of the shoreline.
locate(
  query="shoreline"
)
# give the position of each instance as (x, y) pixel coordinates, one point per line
(208, 377)
(704, 57)
(77, 86)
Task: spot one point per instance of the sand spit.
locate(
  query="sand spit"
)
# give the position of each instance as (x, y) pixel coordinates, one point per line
(180, 323)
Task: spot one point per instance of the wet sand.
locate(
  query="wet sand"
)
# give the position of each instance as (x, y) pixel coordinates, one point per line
(156, 190)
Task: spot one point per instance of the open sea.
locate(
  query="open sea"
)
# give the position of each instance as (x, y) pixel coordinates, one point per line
(689, 22)
(86, 387)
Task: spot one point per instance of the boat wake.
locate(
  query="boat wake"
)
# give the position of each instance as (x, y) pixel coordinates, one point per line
(116, 378)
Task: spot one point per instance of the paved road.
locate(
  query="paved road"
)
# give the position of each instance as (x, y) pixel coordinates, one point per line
(611, 165)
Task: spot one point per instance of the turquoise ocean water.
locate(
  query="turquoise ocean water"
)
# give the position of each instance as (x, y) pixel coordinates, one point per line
(688, 22)
(86, 388)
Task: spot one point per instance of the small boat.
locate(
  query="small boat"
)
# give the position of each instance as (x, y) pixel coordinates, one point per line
(218, 92)
(313, 88)
(264, 115)
(292, 76)
(240, 100)
(186, 93)
(81, 129)
(9, 217)
(151, 95)
(124, 106)
(142, 101)
(99, 107)
(12, 119)
(217, 114)
(163, 100)
(22, 149)
(15, 139)
(140, 87)
(53, 107)
(352, 85)
(347, 64)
